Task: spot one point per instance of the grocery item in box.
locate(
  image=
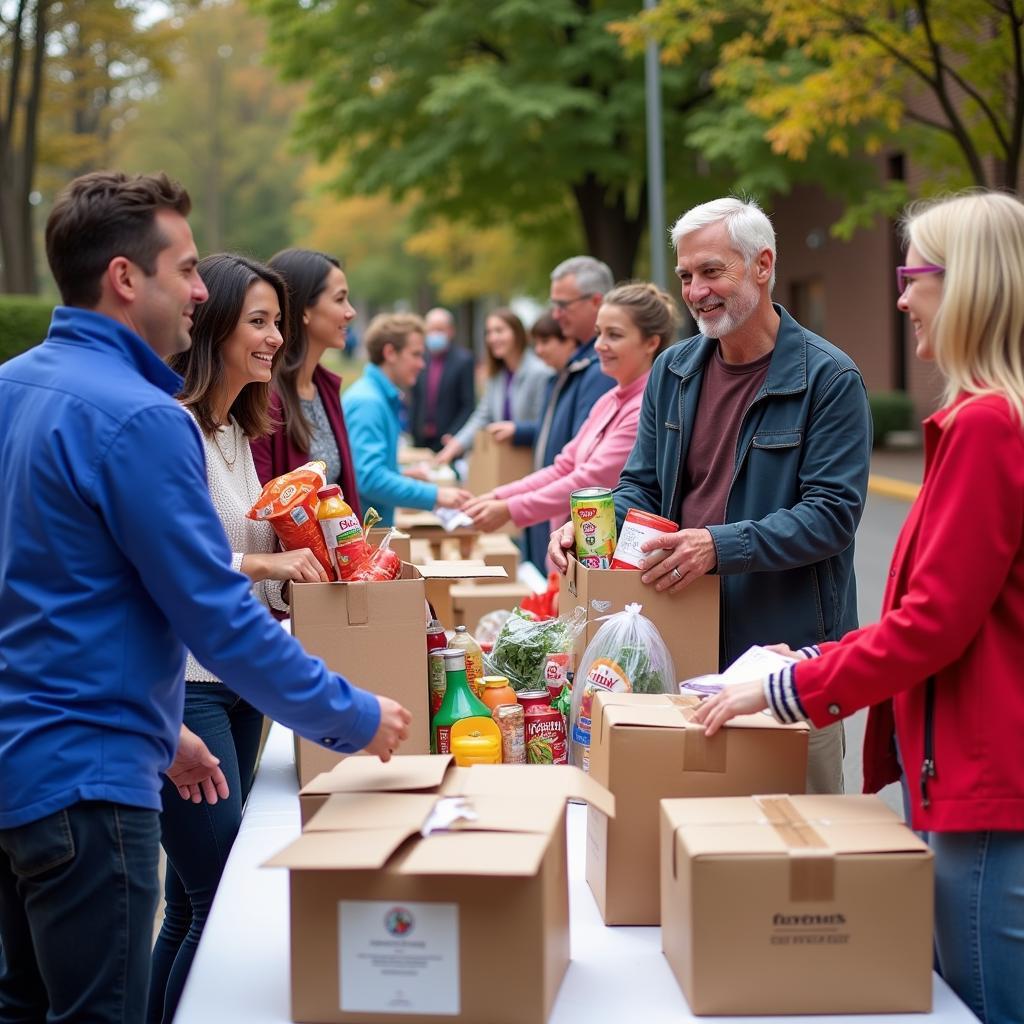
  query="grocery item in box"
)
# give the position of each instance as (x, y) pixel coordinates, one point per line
(593, 519)
(637, 527)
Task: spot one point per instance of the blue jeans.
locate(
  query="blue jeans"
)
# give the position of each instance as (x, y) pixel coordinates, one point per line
(979, 920)
(78, 892)
(198, 837)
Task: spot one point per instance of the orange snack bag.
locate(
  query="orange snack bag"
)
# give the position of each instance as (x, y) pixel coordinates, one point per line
(289, 503)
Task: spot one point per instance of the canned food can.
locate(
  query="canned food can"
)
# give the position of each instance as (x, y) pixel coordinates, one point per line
(543, 729)
(637, 527)
(510, 721)
(593, 520)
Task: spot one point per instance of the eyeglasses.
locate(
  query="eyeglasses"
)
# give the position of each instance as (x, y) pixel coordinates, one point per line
(563, 304)
(905, 274)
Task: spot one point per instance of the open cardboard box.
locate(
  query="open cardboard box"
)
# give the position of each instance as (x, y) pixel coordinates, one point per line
(688, 621)
(645, 747)
(374, 634)
(802, 904)
(399, 926)
(439, 589)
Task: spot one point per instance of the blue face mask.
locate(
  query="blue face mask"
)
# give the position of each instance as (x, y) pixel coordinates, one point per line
(437, 341)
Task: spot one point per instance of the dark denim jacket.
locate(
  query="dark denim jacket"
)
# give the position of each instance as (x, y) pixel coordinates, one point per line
(785, 553)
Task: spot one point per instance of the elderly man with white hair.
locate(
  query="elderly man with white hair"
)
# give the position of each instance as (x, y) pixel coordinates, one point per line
(754, 436)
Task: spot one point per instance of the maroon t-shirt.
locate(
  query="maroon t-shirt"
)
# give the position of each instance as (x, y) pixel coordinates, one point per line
(726, 393)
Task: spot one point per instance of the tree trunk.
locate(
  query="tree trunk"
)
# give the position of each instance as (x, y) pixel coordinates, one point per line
(611, 230)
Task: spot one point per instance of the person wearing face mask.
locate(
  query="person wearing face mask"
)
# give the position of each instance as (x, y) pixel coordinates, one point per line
(444, 395)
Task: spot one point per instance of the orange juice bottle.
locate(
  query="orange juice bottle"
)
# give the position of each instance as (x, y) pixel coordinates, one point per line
(341, 530)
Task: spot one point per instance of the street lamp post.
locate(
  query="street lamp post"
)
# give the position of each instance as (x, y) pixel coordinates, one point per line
(655, 159)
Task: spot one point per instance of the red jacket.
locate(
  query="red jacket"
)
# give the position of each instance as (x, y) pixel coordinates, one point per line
(953, 611)
(275, 454)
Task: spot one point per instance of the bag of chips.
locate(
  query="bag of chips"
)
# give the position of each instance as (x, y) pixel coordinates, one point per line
(289, 503)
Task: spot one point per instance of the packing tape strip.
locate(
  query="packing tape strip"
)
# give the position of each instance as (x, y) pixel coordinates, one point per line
(699, 753)
(812, 865)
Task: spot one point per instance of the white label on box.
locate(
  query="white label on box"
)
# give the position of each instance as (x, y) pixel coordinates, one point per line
(398, 957)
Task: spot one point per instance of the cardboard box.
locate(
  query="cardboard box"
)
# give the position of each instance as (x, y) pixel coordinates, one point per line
(645, 747)
(466, 925)
(439, 590)
(374, 634)
(400, 542)
(688, 621)
(498, 549)
(493, 463)
(425, 526)
(471, 601)
(803, 904)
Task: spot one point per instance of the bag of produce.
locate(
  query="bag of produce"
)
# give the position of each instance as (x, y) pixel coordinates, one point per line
(521, 648)
(380, 564)
(627, 655)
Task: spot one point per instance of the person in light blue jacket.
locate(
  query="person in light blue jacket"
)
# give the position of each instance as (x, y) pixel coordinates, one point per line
(373, 405)
(112, 560)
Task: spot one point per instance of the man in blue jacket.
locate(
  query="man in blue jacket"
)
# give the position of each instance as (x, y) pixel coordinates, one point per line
(112, 559)
(755, 436)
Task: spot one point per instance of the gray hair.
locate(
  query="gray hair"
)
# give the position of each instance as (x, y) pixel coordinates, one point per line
(447, 313)
(592, 276)
(750, 230)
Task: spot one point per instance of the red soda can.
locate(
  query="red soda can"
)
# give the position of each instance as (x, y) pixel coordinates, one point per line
(544, 729)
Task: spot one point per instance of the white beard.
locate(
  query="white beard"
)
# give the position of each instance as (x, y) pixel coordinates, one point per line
(738, 310)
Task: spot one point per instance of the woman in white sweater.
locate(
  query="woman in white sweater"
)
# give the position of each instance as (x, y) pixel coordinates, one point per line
(236, 341)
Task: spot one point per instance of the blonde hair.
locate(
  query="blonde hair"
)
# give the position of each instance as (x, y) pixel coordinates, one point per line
(393, 329)
(978, 331)
(652, 310)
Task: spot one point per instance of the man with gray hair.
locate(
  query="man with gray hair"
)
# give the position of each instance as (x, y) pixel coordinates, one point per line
(754, 436)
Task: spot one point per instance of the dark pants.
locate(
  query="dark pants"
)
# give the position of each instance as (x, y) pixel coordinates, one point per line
(198, 837)
(78, 892)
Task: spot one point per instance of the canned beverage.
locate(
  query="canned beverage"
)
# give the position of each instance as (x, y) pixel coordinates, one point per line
(556, 673)
(437, 680)
(637, 527)
(543, 729)
(593, 520)
(510, 721)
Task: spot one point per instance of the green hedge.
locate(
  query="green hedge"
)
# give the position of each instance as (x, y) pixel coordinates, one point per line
(890, 410)
(24, 321)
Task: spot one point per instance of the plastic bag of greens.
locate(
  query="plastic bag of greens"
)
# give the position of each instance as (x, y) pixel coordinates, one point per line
(522, 646)
(627, 655)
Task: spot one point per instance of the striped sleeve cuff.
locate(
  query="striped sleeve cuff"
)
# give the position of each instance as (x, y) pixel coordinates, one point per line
(811, 651)
(780, 693)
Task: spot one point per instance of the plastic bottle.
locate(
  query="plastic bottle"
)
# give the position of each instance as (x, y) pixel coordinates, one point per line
(463, 641)
(459, 701)
(341, 530)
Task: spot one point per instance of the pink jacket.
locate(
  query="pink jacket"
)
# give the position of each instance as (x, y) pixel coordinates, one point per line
(593, 458)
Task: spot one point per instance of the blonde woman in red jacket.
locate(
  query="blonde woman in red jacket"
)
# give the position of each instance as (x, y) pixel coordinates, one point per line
(944, 667)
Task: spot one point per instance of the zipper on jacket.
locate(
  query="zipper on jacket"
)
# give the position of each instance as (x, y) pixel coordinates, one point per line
(928, 762)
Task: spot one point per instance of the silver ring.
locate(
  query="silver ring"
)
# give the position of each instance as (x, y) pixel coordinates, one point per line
(678, 575)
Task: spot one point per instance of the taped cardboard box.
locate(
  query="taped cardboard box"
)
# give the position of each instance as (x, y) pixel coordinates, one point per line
(412, 875)
(688, 621)
(803, 904)
(374, 634)
(498, 549)
(493, 463)
(645, 747)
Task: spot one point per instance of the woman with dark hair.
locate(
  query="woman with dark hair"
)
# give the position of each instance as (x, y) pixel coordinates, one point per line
(305, 400)
(516, 383)
(236, 341)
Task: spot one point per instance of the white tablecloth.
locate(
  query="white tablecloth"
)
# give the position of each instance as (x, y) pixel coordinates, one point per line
(617, 975)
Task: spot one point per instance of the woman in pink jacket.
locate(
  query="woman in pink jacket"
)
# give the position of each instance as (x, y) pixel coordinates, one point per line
(635, 322)
(942, 668)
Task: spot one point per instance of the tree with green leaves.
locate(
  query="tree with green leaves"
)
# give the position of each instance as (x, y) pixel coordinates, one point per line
(522, 112)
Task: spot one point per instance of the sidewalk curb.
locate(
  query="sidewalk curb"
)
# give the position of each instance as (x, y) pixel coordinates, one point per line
(890, 487)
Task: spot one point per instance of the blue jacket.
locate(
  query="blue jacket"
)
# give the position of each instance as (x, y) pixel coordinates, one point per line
(112, 559)
(785, 553)
(372, 406)
(584, 385)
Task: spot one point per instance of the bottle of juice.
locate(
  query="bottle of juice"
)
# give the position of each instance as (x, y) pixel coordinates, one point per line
(341, 530)
(458, 702)
(463, 641)
(496, 690)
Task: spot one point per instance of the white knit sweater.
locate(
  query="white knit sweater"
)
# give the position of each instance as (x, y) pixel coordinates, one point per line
(234, 488)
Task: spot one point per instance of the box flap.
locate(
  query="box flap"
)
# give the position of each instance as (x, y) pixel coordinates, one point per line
(355, 851)
(461, 571)
(536, 780)
(487, 854)
(344, 812)
(405, 773)
(667, 711)
(537, 813)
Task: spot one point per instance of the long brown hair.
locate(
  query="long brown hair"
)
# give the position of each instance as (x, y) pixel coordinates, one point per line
(305, 274)
(228, 278)
(503, 313)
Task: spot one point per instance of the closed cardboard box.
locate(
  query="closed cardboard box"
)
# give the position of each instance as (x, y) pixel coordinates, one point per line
(645, 747)
(803, 904)
(688, 621)
(420, 891)
(493, 463)
(374, 634)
